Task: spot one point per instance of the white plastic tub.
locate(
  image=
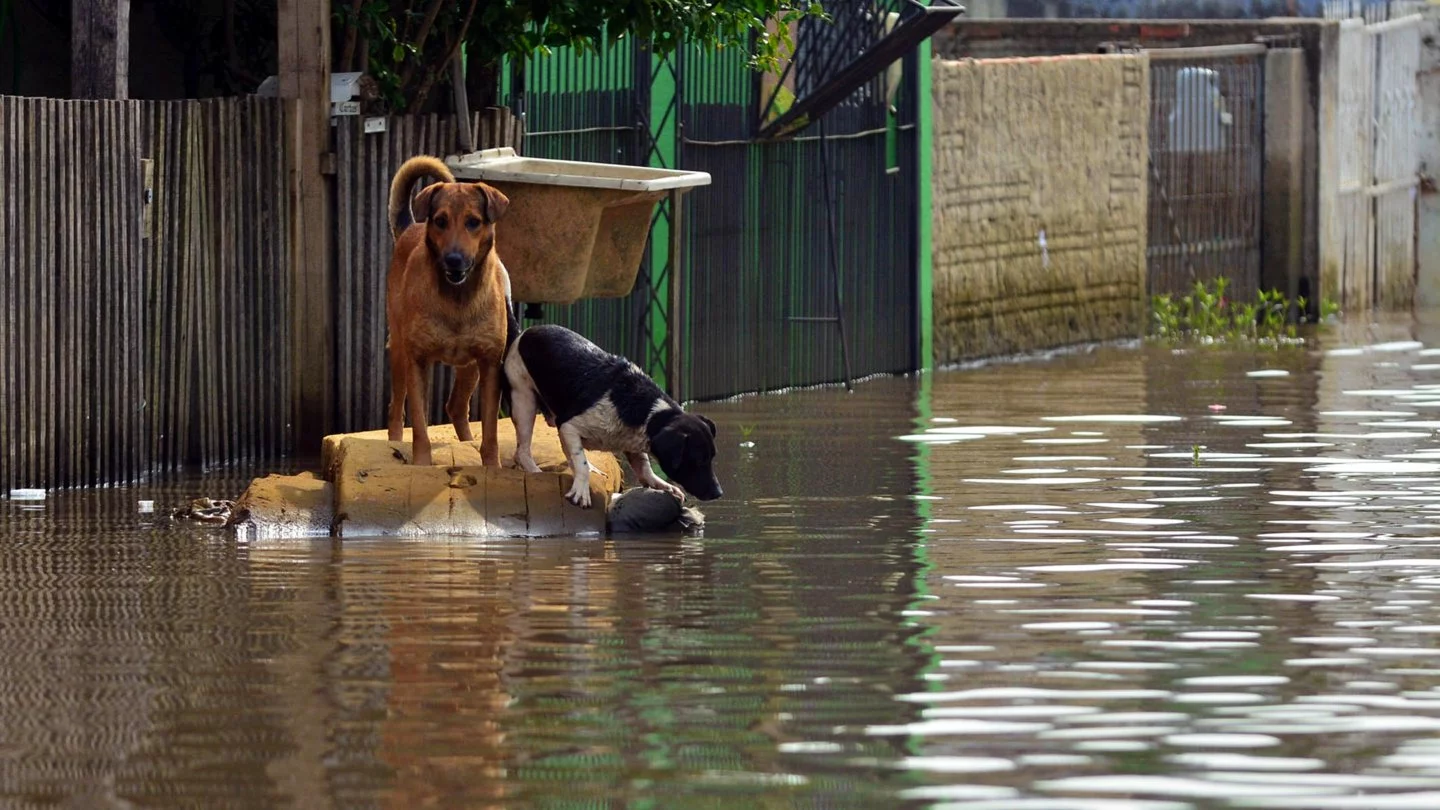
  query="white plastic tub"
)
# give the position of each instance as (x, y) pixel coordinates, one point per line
(574, 229)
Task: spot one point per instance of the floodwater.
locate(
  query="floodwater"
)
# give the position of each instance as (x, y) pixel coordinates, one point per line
(1130, 577)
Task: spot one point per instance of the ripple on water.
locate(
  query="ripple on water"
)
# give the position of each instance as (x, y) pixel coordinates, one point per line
(1198, 740)
(1425, 800)
(1177, 787)
(1227, 761)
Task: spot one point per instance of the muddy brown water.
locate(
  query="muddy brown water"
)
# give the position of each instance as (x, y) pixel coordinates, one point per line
(1039, 598)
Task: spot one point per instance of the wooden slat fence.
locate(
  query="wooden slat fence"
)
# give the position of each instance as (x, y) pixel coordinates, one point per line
(144, 341)
(365, 163)
(218, 282)
(132, 349)
(72, 376)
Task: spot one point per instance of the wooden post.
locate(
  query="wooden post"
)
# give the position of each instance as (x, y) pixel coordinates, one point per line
(100, 48)
(462, 106)
(304, 63)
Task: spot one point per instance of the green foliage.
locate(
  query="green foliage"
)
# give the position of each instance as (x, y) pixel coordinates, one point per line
(1207, 314)
(406, 45)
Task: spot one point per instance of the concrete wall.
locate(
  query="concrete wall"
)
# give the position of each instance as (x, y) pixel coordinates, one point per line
(1039, 202)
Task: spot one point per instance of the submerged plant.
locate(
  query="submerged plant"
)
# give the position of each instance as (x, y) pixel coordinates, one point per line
(1208, 314)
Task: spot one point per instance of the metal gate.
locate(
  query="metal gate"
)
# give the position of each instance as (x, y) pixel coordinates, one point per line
(1206, 151)
(1377, 157)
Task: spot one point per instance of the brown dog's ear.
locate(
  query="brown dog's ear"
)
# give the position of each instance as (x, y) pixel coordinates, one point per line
(425, 202)
(492, 202)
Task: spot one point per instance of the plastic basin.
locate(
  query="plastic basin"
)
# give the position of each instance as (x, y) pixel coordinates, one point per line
(574, 229)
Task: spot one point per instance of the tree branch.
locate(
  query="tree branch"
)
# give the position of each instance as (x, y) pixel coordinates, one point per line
(452, 50)
(352, 33)
(420, 36)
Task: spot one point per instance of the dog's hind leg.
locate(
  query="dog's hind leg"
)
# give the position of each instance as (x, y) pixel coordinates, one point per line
(419, 378)
(579, 493)
(522, 415)
(458, 406)
(523, 405)
(490, 415)
(399, 387)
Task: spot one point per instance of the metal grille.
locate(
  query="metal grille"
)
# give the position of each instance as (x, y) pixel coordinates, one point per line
(1206, 150)
(757, 297)
(585, 106)
(760, 294)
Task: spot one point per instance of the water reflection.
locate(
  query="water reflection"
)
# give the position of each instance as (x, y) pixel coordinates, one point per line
(1210, 603)
(149, 664)
(1120, 578)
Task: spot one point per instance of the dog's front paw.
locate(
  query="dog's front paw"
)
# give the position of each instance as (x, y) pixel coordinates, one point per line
(580, 496)
(666, 486)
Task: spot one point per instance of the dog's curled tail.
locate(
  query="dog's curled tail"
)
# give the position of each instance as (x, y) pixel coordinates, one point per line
(410, 171)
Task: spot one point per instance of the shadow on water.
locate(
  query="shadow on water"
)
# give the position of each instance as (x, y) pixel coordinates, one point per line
(1135, 577)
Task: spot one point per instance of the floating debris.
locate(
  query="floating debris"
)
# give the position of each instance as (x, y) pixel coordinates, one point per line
(207, 511)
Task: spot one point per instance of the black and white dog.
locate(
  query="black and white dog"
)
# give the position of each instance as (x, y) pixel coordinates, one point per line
(601, 401)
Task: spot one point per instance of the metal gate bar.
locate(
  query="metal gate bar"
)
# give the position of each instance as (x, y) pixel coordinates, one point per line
(1206, 158)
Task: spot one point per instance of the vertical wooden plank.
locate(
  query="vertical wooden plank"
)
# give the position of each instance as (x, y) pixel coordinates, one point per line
(56, 333)
(99, 375)
(224, 186)
(183, 408)
(208, 379)
(131, 444)
(7, 285)
(94, 458)
(99, 48)
(344, 271)
(27, 366)
(245, 162)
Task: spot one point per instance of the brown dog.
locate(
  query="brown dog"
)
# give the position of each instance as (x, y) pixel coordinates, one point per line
(446, 301)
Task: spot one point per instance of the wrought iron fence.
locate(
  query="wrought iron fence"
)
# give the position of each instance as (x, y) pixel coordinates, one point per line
(1206, 159)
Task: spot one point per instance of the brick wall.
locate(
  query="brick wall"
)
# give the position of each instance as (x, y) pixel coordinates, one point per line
(1025, 147)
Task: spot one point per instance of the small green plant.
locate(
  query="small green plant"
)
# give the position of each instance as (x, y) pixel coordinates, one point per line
(1208, 314)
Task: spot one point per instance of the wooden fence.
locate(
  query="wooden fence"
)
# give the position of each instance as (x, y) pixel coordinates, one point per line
(135, 340)
(149, 337)
(72, 377)
(217, 335)
(364, 164)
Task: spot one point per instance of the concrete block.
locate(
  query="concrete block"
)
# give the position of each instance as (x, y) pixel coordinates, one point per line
(280, 506)
(375, 491)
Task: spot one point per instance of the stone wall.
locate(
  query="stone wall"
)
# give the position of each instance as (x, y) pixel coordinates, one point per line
(1039, 194)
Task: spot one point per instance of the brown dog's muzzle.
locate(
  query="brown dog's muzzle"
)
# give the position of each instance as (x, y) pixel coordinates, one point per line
(457, 267)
